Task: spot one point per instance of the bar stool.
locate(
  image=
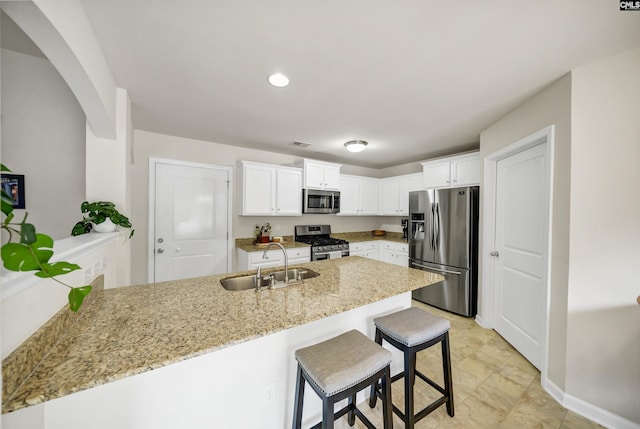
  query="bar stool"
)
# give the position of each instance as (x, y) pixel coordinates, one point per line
(411, 331)
(339, 368)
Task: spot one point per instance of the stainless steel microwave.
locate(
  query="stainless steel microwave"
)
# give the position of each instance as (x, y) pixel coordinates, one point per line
(317, 201)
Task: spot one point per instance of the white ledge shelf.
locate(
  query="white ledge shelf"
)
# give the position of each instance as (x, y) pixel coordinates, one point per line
(68, 249)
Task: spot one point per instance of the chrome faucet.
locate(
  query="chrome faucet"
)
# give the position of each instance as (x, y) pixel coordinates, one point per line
(286, 259)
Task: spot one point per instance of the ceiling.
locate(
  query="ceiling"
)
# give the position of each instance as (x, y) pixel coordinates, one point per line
(415, 78)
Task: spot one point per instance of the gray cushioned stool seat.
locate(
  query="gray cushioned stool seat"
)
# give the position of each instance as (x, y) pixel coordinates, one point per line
(343, 361)
(412, 326)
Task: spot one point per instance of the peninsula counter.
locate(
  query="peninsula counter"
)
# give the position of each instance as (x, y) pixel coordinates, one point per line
(189, 353)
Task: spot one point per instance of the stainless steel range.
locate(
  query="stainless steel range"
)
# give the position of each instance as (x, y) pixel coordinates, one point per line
(322, 245)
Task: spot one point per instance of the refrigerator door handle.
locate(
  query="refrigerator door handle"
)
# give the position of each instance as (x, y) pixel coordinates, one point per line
(437, 224)
(437, 270)
(432, 237)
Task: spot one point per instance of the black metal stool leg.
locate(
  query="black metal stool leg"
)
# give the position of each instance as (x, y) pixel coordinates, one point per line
(297, 408)
(446, 367)
(351, 415)
(327, 413)
(387, 406)
(375, 386)
(409, 382)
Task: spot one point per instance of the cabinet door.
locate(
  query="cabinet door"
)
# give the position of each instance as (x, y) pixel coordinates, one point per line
(368, 197)
(331, 177)
(372, 250)
(314, 176)
(258, 190)
(407, 184)
(389, 189)
(436, 174)
(466, 170)
(288, 193)
(349, 187)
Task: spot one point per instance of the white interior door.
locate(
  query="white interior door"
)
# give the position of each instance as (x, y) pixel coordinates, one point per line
(191, 221)
(521, 236)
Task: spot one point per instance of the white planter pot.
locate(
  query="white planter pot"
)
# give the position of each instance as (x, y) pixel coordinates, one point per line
(106, 226)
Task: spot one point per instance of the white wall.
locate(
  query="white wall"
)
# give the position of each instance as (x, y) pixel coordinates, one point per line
(549, 107)
(147, 144)
(603, 329)
(594, 319)
(43, 137)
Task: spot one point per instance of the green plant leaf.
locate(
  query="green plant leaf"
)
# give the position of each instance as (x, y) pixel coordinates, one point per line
(4, 168)
(56, 269)
(81, 227)
(27, 233)
(7, 203)
(20, 256)
(9, 218)
(76, 296)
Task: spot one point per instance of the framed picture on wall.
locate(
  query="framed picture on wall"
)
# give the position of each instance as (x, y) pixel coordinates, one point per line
(13, 185)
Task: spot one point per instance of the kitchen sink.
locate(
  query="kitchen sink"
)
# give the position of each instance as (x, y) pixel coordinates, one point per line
(239, 283)
(274, 279)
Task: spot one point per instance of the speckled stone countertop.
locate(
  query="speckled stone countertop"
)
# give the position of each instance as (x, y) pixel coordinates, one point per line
(247, 244)
(354, 237)
(135, 329)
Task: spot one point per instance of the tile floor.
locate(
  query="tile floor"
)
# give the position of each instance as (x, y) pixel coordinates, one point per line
(494, 386)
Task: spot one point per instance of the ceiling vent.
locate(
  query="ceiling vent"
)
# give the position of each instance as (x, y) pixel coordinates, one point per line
(301, 144)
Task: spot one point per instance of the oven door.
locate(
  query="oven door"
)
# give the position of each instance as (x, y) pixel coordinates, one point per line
(323, 256)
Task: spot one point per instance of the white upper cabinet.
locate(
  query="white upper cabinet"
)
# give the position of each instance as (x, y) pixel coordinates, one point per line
(269, 190)
(394, 194)
(321, 175)
(451, 172)
(358, 196)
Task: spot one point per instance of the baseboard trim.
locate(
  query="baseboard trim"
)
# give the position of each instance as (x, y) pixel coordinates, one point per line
(586, 409)
(480, 322)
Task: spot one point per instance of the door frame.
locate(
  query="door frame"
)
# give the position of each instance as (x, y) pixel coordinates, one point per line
(487, 317)
(153, 161)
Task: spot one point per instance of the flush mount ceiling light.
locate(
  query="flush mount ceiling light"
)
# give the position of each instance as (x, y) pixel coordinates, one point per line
(356, 145)
(278, 80)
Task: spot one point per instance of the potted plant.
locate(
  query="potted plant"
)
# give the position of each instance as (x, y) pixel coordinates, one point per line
(101, 215)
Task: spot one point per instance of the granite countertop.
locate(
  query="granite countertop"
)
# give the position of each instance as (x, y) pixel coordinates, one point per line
(355, 237)
(131, 330)
(248, 244)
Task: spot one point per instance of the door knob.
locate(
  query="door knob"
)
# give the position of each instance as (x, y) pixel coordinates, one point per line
(495, 253)
(160, 250)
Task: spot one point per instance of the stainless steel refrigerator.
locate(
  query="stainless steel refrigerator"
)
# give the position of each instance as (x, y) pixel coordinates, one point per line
(443, 238)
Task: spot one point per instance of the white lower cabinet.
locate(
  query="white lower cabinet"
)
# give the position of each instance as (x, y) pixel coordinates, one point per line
(395, 253)
(275, 258)
(368, 249)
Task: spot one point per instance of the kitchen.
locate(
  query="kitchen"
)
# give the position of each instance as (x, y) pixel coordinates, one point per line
(569, 304)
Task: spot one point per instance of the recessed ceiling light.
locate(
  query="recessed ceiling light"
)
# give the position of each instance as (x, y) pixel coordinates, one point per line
(356, 145)
(279, 80)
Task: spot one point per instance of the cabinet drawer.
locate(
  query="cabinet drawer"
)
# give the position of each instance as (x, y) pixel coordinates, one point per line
(364, 245)
(396, 247)
(299, 252)
(272, 255)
